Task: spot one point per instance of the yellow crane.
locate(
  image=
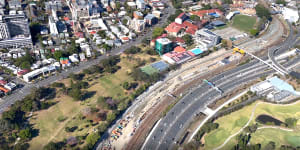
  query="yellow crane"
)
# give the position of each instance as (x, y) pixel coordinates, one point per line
(241, 51)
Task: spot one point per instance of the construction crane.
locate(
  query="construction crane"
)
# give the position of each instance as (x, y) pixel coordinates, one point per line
(241, 51)
(213, 86)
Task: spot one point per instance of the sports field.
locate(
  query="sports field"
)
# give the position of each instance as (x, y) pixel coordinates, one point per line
(233, 122)
(243, 22)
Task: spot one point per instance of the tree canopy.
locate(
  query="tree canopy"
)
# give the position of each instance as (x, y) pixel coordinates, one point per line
(157, 32)
(262, 11)
(188, 39)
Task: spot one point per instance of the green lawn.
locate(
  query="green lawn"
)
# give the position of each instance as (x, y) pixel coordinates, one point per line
(46, 121)
(264, 136)
(243, 22)
(149, 69)
(232, 123)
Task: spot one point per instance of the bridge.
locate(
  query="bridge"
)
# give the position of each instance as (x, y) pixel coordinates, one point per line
(274, 66)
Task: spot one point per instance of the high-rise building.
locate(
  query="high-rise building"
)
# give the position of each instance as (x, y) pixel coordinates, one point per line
(140, 4)
(163, 45)
(14, 31)
(52, 26)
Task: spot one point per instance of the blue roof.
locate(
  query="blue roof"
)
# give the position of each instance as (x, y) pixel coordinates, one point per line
(217, 23)
(160, 66)
(150, 16)
(214, 14)
(282, 85)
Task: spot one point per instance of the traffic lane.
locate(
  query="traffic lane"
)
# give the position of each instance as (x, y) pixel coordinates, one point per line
(191, 111)
(179, 123)
(211, 95)
(192, 96)
(199, 104)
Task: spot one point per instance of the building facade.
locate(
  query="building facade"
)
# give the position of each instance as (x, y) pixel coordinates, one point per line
(163, 45)
(14, 32)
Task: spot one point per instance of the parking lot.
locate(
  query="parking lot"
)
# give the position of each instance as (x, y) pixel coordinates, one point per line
(233, 34)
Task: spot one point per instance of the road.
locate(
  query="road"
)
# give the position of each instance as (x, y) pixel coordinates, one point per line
(181, 115)
(290, 41)
(172, 126)
(7, 101)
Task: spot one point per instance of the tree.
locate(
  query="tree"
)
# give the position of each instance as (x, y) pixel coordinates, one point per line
(283, 2)
(206, 7)
(102, 34)
(157, 32)
(14, 116)
(21, 146)
(188, 39)
(111, 116)
(102, 127)
(58, 55)
(270, 146)
(195, 18)
(27, 58)
(92, 138)
(35, 29)
(291, 122)
(228, 2)
(118, 5)
(251, 129)
(132, 50)
(253, 32)
(52, 146)
(73, 48)
(145, 41)
(106, 47)
(124, 21)
(262, 11)
(224, 43)
(25, 134)
(151, 51)
(126, 86)
(25, 65)
(76, 94)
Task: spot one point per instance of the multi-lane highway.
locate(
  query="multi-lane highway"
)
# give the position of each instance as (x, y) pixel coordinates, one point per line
(172, 126)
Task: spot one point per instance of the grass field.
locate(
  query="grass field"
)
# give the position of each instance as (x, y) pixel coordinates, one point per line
(263, 136)
(230, 124)
(243, 22)
(149, 70)
(46, 121)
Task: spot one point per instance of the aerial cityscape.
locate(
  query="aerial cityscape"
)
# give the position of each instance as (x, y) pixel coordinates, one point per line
(149, 75)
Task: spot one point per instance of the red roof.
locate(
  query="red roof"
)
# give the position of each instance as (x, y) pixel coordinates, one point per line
(174, 27)
(79, 34)
(180, 15)
(162, 36)
(125, 38)
(204, 21)
(178, 39)
(201, 13)
(22, 72)
(4, 89)
(179, 49)
(190, 31)
(2, 82)
(189, 25)
(66, 18)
